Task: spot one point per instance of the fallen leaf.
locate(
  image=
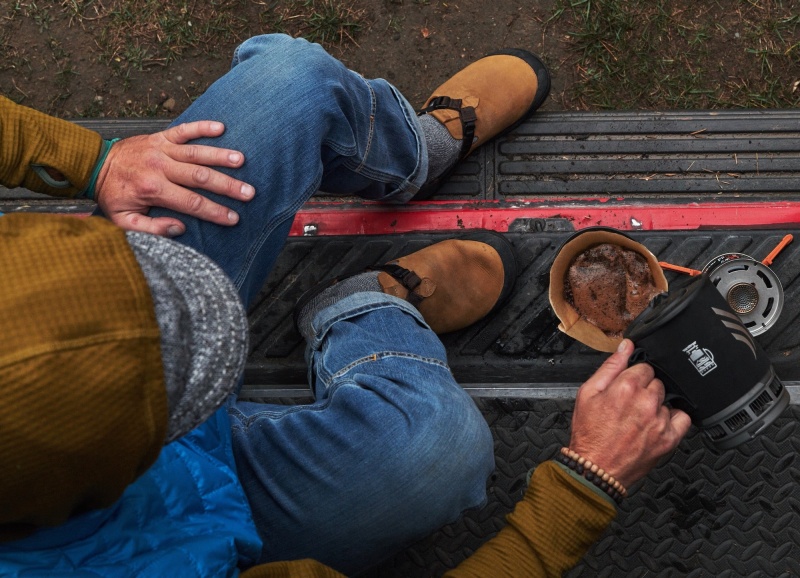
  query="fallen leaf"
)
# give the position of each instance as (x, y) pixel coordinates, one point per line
(425, 33)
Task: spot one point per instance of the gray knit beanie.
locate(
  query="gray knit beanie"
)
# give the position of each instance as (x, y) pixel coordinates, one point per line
(203, 327)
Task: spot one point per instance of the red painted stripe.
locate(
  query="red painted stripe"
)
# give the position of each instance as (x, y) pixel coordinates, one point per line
(377, 219)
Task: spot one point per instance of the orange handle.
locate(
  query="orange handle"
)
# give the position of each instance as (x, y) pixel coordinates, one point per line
(679, 269)
(771, 257)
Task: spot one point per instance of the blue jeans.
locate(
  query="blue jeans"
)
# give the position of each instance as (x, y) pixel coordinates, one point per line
(392, 448)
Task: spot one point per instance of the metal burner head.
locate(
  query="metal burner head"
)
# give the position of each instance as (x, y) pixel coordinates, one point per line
(743, 298)
(751, 289)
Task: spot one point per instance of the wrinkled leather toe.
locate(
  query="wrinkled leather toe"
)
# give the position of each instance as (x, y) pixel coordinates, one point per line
(456, 282)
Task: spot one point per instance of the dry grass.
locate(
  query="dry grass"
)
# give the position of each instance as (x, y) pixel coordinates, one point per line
(668, 54)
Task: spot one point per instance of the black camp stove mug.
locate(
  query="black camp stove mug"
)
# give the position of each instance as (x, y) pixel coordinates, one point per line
(710, 365)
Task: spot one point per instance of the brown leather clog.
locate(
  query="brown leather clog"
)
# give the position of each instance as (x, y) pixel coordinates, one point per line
(488, 98)
(453, 283)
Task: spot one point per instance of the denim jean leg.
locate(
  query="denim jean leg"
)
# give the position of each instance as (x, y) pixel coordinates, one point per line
(302, 120)
(392, 448)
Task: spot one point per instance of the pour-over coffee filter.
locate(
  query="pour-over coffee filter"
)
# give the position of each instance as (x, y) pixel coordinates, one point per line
(571, 321)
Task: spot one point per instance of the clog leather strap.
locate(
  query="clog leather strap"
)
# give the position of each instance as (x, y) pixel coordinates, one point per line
(407, 279)
(466, 113)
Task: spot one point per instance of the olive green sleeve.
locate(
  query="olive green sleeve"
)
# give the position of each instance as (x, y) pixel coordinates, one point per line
(548, 532)
(31, 142)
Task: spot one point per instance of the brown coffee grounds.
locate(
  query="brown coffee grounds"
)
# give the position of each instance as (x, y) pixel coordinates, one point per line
(609, 286)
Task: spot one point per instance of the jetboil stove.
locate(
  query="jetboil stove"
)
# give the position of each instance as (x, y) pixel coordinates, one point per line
(709, 321)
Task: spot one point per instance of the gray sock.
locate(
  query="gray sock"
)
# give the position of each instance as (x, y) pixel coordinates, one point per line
(357, 284)
(443, 149)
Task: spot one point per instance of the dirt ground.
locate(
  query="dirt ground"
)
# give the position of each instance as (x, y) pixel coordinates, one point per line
(98, 58)
(436, 41)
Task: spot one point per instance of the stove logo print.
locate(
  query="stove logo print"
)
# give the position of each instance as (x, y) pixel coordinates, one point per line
(702, 359)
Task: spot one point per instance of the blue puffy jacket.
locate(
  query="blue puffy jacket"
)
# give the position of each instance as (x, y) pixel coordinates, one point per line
(186, 516)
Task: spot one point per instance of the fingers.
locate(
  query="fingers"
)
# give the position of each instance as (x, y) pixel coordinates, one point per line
(192, 161)
(196, 205)
(205, 155)
(681, 422)
(673, 424)
(657, 387)
(187, 131)
(163, 226)
(202, 177)
(200, 154)
(611, 368)
(620, 421)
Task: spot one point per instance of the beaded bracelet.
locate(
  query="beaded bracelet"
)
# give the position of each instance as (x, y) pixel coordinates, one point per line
(593, 473)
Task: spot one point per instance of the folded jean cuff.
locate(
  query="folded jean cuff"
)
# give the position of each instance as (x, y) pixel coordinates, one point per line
(353, 306)
(413, 183)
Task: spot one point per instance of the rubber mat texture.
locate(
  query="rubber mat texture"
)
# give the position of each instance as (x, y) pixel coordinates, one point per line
(521, 343)
(700, 513)
(637, 153)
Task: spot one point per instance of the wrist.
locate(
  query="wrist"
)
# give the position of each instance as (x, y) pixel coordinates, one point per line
(585, 483)
(99, 171)
(592, 473)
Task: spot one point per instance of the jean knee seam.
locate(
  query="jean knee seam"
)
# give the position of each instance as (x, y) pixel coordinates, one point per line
(245, 422)
(327, 382)
(372, 111)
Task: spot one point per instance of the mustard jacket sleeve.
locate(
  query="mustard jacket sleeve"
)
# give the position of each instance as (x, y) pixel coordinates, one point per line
(548, 532)
(31, 139)
(293, 569)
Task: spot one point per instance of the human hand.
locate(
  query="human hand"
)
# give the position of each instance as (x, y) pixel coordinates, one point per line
(155, 170)
(620, 421)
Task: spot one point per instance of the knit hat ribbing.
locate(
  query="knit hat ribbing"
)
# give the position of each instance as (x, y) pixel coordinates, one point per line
(204, 331)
